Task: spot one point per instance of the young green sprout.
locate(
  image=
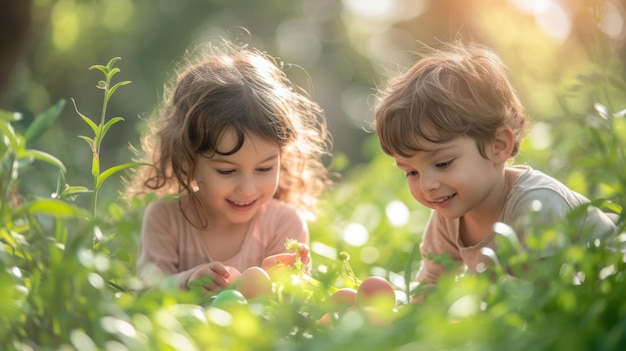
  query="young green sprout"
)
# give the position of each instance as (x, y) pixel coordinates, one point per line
(345, 258)
(294, 246)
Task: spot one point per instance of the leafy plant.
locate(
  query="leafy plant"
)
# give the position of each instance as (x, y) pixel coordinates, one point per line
(60, 293)
(100, 130)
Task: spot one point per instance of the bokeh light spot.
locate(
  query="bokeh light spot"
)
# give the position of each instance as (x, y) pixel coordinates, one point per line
(397, 213)
(612, 23)
(554, 20)
(65, 25)
(355, 234)
(369, 254)
(540, 136)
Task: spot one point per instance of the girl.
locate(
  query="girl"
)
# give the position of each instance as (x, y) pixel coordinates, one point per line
(241, 149)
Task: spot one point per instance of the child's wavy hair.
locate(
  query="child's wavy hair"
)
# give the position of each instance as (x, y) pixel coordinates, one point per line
(457, 90)
(233, 87)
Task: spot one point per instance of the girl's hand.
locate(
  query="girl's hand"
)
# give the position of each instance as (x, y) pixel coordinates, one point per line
(287, 258)
(219, 274)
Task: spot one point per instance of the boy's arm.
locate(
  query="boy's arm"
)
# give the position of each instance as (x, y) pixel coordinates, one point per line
(436, 242)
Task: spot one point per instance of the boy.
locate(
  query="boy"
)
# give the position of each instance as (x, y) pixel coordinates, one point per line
(453, 123)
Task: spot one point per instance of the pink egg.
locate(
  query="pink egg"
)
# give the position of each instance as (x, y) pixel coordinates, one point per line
(343, 299)
(376, 292)
(254, 282)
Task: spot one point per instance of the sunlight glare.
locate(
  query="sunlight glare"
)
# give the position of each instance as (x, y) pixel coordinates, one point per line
(355, 234)
(540, 136)
(387, 10)
(550, 16)
(613, 21)
(324, 250)
(554, 20)
(397, 213)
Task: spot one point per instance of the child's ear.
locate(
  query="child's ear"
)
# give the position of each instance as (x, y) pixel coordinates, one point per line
(503, 145)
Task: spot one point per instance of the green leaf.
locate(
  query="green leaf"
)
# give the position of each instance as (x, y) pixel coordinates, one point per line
(109, 172)
(10, 116)
(602, 111)
(74, 190)
(112, 61)
(115, 87)
(60, 182)
(108, 125)
(44, 156)
(111, 73)
(88, 140)
(7, 130)
(52, 207)
(87, 120)
(100, 68)
(43, 121)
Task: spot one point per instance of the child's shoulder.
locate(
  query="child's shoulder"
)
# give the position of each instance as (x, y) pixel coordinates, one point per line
(533, 185)
(163, 205)
(532, 179)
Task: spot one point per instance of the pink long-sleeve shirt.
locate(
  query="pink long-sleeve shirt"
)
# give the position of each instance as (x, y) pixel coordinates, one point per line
(170, 246)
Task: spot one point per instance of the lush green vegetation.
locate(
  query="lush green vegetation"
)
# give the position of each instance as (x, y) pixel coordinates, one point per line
(67, 275)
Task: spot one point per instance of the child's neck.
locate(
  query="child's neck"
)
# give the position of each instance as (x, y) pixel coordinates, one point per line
(475, 226)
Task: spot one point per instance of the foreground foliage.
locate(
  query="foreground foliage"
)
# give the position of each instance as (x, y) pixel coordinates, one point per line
(67, 276)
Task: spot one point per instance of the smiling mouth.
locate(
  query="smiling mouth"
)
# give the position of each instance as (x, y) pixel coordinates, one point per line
(443, 199)
(241, 203)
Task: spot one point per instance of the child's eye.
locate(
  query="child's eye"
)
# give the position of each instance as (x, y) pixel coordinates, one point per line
(444, 164)
(225, 171)
(265, 169)
(411, 174)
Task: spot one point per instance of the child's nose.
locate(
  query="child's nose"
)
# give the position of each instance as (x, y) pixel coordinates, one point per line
(246, 185)
(428, 183)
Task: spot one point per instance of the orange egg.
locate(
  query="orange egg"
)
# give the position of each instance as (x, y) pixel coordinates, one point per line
(254, 282)
(376, 292)
(343, 299)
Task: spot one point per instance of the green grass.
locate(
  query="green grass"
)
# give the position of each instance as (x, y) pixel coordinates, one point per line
(67, 278)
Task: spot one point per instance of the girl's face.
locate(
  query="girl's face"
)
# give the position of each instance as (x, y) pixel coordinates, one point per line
(232, 188)
(453, 178)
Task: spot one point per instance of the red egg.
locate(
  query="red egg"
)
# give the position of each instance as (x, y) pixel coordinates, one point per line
(376, 292)
(254, 282)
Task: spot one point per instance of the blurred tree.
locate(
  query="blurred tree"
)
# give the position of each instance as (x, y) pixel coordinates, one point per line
(14, 34)
(346, 49)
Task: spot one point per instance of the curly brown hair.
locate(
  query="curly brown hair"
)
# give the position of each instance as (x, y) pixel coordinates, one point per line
(233, 87)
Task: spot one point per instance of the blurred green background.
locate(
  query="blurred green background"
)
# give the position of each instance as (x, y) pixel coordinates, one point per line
(347, 48)
(566, 59)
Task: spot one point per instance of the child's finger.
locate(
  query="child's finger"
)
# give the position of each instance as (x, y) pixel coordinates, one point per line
(219, 269)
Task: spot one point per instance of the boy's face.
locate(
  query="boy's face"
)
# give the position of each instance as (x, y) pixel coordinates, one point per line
(452, 178)
(232, 188)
